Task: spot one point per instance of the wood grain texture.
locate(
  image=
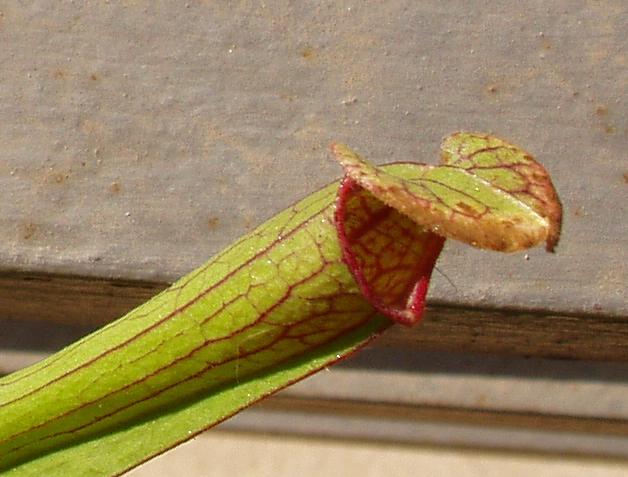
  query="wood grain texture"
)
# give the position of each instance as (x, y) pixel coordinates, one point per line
(84, 303)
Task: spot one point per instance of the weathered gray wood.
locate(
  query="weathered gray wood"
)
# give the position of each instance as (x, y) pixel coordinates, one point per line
(139, 139)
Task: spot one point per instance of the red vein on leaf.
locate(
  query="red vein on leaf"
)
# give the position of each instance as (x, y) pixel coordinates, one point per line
(196, 376)
(191, 353)
(156, 325)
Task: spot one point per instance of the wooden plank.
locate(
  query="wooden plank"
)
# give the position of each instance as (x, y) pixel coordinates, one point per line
(421, 428)
(77, 301)
(371, 410)
(474, 383)
(84, 303)
(459, 399)
(138, 140)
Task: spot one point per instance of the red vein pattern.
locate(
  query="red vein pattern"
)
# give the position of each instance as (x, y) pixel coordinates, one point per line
(508, 168)
(456, 201)
(391, 257)
(273, 296)
(302, 282)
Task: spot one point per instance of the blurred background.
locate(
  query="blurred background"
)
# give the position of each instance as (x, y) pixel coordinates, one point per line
(139, 138)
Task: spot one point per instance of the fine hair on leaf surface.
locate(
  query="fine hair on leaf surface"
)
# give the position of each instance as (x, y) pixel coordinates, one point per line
(305, 289)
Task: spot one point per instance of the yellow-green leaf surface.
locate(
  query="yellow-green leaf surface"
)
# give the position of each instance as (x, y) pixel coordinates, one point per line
(488, 193)
(302, 291)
